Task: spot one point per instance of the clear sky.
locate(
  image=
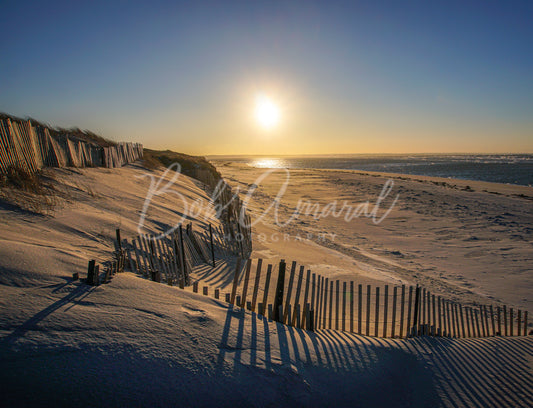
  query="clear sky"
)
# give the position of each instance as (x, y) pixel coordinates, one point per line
(347, 77)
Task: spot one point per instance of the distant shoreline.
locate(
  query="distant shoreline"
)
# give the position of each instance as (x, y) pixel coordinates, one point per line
(513, 169)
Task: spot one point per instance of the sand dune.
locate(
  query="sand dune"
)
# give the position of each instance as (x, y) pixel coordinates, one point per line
(133, 342)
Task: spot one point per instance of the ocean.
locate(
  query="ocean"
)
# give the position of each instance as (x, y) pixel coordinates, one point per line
(498, 168)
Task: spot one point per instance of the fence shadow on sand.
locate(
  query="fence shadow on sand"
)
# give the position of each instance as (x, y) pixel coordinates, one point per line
(421, 371)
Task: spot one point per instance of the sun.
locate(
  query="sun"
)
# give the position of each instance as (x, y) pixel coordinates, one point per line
(267, 113)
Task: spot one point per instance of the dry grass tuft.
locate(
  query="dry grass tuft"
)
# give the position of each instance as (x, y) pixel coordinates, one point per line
(33, 192)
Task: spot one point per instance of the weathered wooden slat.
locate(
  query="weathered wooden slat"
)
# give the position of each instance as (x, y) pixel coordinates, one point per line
(320, 295)
(385, 310)
(433, 316)
(337, 311)
(359, 309)
(376, 318)
(448, 319)
(492, 320)
(368, 295)
(324, 314)
(343, 321)
(256, 282)
(402, 310)
(423, 310)
(267, 285)
(499, 321)
(235, 281)
(280, 288)
(394, 301)
(297, 295)
(314, 295)
(289, 292)
(330, 324)
(462, 321)
(306, 295)
(352, 317)
(478, 328)
(246, 280)
(505, 325)
(482, 318)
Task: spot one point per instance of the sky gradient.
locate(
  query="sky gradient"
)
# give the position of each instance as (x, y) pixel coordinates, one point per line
(349, 77)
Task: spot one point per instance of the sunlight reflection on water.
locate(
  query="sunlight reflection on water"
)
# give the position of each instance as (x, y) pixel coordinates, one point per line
(267, 163)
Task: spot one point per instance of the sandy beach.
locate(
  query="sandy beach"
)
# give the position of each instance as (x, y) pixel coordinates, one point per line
(468, 241)
(63, 339)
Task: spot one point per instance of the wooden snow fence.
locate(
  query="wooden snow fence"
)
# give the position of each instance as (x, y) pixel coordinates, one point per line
(29, 147)
(95, 277)
(237, 229)
(297, 297)
(171, 258)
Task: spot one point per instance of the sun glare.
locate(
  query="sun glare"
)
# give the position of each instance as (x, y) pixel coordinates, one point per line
(267, 112)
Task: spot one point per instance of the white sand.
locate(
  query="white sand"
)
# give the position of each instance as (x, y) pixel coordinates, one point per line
(137, 343)
(469, 245)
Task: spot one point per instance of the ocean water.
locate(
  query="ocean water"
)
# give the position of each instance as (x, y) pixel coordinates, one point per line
(498, 168)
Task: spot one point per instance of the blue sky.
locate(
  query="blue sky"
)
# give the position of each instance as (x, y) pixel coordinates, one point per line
(349, 77)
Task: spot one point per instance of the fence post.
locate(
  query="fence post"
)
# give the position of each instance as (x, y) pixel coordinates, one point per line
(376, 318)
(280, 287)
(462, 320)
(478, 330)
(352, 317)
(337, 314)
(402, 310)
(256, 283)
(499, 321)
(306, 296)
(325, 296)
(182, 251)
(385, 309)
(319, 299)
(505, 327)
(415, 311)
(90, 272)
(235, 281)
(330, 325)
(289, 293)
(343, 306)
(313, 298)
(368, 295)
(492, 320)
(119, 242)
(246, 280)
(295, 312)
(433, 316)
(265, 294)
(212, 246)
(394, 301)
(482, 321)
